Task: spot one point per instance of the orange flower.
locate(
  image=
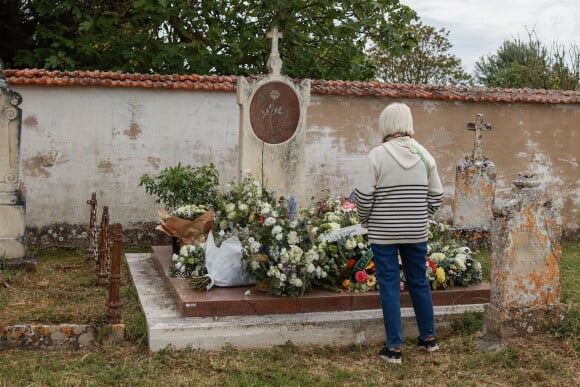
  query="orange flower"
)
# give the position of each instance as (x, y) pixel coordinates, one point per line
(370, 265)
(350, 264)
(346, 283)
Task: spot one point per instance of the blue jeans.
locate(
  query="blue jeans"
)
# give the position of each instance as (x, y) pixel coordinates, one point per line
(413, 258)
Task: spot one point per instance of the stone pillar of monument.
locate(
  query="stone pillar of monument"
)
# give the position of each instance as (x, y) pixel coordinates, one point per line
(12, 209)
(525, 266)
(272, 127)
(474, 192)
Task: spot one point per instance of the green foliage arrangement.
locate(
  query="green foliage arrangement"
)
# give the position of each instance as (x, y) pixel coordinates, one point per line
(182, 185)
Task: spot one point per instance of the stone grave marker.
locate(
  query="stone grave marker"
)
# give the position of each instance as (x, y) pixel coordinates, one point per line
(12, 208)
(474, 191)
(272, 127)
(525, 269)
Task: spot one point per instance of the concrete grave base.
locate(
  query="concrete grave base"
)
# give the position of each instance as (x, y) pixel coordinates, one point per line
(167, 328)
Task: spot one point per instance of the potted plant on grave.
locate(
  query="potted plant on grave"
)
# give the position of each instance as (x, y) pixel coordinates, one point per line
(189, 195)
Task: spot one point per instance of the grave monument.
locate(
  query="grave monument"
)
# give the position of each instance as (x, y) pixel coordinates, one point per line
(12, 208)
(474, 192)
(525, 296)
(272, 127)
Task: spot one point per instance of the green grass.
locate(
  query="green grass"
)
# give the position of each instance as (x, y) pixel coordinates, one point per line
(544, 360)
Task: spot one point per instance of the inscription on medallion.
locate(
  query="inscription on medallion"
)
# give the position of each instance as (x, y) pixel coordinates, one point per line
(274, 112)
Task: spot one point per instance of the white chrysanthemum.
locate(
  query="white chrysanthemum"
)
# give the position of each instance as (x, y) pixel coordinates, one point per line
(361, 245)
(284, 255)
(464, 250)
(255, 246)
(276, 230)
(279, 237)
(437, 257)
(185, 249)
(274, 213)
(231, 215)
(230, 207)
(296, 253)
(310, 268)
(334, 226)
(312, 255)
(293, 238)
(255, 265)
(243, 206)
(331, 217)
(221, 233)
(350, 244)
(297, 282)
(293, 224)
(174, 257)
(265, 209)
(269, 221)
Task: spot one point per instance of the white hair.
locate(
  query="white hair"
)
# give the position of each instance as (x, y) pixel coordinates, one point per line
(396, 118)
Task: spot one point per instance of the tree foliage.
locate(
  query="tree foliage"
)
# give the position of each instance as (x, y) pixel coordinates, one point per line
(519, 64)
(427, 62)
(322, 39)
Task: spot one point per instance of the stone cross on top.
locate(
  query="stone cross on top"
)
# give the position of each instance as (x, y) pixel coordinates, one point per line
(274, 63)
(478, 126)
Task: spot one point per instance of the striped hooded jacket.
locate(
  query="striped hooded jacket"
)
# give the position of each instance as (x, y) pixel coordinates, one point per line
(396, 192)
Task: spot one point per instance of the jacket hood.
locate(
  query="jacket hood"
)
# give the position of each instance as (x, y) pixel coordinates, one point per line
(403, 151)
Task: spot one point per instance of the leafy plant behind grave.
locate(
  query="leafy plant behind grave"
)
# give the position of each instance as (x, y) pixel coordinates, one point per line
(183, 185)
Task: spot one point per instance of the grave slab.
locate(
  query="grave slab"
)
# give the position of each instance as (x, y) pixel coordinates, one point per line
(235, 302)
(167, 327)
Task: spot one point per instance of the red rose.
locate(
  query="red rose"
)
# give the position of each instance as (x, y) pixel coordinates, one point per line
(361, 276)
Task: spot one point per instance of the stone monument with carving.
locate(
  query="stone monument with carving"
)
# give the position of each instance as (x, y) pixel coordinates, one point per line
(474, 192)
(12, 209)
(272, 127)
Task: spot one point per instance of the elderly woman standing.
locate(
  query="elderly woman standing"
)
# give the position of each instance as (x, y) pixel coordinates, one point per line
(398, 189)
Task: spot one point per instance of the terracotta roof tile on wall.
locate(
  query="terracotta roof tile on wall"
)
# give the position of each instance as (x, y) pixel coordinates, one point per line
(228, 83)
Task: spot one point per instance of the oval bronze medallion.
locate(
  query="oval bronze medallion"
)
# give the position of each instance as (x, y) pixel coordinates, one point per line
(274, 112)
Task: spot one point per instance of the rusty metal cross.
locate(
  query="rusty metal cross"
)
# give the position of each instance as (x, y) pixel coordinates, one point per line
(478, 126)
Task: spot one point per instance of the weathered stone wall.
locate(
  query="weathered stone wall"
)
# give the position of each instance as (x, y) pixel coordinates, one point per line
(78, 140)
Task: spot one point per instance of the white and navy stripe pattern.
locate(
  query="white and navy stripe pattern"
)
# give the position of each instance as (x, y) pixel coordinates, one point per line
(395, 203)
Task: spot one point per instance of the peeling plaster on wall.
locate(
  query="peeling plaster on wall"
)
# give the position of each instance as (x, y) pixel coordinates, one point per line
(134, 128)
(133, 132)
(35, 166)
(30, 121)
(154, 161)
(105, 166)
(442, 137)
(431, 107)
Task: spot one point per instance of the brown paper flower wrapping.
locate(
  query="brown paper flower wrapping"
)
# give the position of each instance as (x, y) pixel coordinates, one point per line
(188, 232)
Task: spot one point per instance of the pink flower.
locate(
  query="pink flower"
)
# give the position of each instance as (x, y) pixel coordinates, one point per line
(361, 276)
(347, 204)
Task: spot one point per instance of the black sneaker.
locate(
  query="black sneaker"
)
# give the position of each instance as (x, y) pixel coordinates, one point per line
(430, 345)
(391, 356)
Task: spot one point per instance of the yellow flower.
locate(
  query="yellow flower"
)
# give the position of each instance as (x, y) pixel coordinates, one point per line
(346, 283)
(370, 265)
(440, 275)
(371, 281)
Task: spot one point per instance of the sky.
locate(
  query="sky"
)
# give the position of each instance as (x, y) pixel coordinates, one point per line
(479, 27)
